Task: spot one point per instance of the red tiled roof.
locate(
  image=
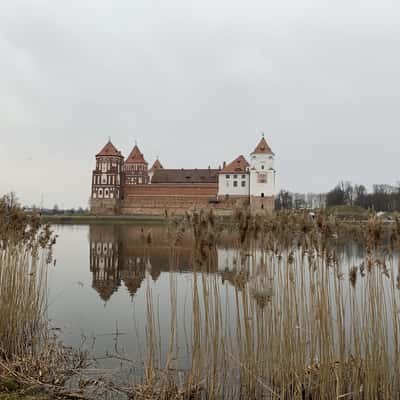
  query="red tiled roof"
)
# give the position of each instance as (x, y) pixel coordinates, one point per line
(109, 150)
(262, 148)
(238, 165)
(156, 165)
(185, 176)
(136, 157)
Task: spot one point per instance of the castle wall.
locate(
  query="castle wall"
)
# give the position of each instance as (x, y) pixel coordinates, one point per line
(177, 204)
(105, 206)
(201, 190)
(234, 184)
(262, 205)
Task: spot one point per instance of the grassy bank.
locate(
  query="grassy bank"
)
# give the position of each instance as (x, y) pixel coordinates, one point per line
(11, 389)
(344, 213)
(102, 219)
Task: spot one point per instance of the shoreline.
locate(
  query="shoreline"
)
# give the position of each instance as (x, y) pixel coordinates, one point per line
(103, 219)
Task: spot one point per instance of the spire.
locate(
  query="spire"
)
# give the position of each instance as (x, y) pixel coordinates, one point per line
(263, 147)
(136, 157)
(109, 150)
(156, 165)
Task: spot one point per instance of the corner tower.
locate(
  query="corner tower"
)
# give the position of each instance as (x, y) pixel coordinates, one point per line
(262, 178)
(136, 168)
(107, 181)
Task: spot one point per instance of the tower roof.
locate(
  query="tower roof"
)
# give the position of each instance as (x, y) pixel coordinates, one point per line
(109, 150)
(156, 165)
(240, 164)
(136, 157)
(263, 148)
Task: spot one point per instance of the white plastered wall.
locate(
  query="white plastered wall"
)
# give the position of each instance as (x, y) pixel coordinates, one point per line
(226, 185)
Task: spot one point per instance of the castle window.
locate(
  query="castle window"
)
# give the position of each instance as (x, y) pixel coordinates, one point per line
(234, 176)
(262, 166)
(262, 178)
(243, 183)
(100, 192)
(227, 176)
(106, 193)
(235, 183)
(243, 176)
(262, 194)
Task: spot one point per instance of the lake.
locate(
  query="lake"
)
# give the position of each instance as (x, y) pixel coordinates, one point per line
(132, 299)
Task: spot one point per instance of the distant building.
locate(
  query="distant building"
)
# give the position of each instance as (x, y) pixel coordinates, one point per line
(316, 200)
(128, 186)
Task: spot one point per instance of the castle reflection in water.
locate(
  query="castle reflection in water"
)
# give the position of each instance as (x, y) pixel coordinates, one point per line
(124, 254)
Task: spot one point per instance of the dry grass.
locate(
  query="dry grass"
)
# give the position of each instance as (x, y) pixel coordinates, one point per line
(25, 251)
(28, 356)
(298, 321)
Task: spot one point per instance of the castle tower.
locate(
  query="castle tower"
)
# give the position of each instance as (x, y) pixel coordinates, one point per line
(136, 168)
(262, 178)
(105, 259)
(156, 166)
(106, 180)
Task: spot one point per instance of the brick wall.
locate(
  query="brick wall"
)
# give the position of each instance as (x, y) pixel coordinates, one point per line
(177, 205)
(180, 190)
(176, 199)
(105, 206)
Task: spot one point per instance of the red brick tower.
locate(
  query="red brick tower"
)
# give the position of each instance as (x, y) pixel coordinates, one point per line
(136, 169)
(107, 180)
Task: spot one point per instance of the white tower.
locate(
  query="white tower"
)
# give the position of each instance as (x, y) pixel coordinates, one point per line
(262, 178)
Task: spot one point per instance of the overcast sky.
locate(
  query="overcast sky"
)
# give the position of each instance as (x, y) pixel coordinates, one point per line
(196, 82)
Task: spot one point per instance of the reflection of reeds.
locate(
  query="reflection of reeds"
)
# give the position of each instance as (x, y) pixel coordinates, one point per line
(292, 325)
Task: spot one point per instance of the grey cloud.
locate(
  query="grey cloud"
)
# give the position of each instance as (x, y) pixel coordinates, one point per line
(196, 83)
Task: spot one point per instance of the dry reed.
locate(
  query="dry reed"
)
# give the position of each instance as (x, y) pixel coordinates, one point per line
(298, 321)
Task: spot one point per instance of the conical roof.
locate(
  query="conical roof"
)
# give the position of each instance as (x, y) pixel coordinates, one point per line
(262, 148)
(109, 150)
(156, 165)
(240, 164)
(136, 157)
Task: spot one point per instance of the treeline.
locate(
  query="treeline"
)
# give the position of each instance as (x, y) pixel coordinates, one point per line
(382, 197)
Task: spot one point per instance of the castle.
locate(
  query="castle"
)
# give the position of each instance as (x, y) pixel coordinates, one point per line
(128, 187)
